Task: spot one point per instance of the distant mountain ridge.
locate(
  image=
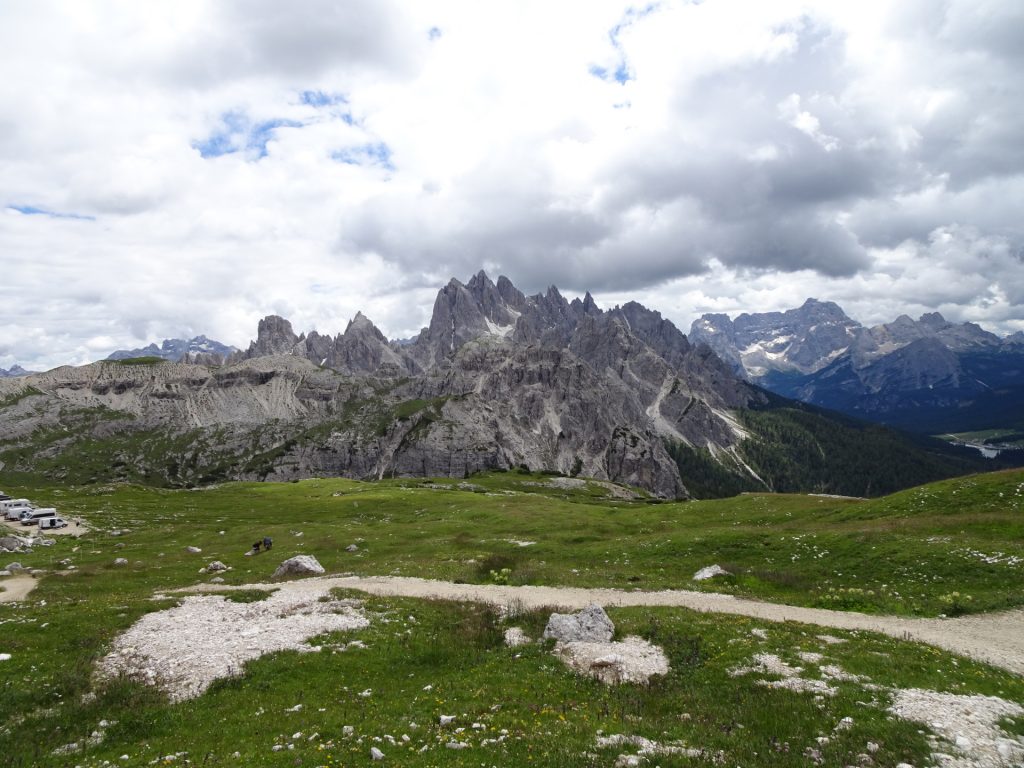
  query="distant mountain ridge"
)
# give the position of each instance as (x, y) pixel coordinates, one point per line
(926, 374)
(498, 380)
(13, 372)
(196, 349)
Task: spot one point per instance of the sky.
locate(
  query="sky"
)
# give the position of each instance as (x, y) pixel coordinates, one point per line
(174, 169)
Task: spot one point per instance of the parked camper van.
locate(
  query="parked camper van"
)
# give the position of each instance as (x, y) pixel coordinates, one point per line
(12, 508)
(33, 517)
(47, 523)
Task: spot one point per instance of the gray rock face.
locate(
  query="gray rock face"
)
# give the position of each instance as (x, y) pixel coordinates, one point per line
(591, 625)
(11, 544)
(498, 380)
(300, 565)
(216, 566)
(801, 340)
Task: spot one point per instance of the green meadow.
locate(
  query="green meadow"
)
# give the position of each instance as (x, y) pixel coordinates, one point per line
(948, 548)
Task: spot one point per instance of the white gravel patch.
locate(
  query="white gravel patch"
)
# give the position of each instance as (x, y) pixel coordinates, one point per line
(970, 725)
(634, 660)
(770, 664)
(185, 648)
(645, 747)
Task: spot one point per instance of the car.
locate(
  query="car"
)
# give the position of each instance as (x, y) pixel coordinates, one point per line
(47, 523)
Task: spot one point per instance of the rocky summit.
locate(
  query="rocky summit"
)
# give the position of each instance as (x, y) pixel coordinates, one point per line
(498, 380)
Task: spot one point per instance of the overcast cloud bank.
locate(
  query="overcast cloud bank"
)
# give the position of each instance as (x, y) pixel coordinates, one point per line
(170, 170)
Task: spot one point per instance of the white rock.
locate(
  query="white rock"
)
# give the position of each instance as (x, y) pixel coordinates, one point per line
(709, 572)
(5, 657)
(121, 561)
(514, 637)
(300, 565)
(446, 719)
(376, 754)
(216, 566)
(193, 550)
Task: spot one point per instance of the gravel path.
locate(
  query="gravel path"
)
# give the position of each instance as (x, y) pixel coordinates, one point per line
(995, 638)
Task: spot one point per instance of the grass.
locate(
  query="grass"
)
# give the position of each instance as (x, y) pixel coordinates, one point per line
(906, 553)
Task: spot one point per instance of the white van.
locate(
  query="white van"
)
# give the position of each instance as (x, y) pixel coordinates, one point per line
(13, 508)
(34, 516)
(47, 523)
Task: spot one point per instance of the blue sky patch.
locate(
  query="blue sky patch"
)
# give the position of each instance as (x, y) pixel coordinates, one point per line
(238, 133)
(377, 153)
(321, 99)
(31, 210)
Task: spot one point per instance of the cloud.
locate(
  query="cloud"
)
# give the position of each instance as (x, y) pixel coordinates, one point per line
(186, 168)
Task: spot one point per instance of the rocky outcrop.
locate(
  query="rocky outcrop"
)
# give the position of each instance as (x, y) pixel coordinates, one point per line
(300, 565)
(591, 625)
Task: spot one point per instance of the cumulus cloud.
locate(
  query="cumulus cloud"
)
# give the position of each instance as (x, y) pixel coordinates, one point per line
(167, 170)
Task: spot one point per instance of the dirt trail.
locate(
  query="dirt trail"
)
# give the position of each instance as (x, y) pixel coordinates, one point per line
(995, 638)
(16, 588)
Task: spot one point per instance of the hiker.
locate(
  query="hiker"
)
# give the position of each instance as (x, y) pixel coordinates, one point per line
(255, 547)
(267, 543)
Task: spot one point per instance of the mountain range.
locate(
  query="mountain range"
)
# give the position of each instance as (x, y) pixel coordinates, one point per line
(13, 371)
(928, 375)
(498, 380)
(196, 349)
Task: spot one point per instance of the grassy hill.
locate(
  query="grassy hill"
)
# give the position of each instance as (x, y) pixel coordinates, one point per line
(950, 547)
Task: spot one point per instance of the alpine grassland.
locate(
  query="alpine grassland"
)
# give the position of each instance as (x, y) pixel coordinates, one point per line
(947, 548)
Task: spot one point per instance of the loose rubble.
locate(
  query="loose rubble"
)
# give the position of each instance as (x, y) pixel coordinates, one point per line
(185, 648)
(633, 660)
(969, 726)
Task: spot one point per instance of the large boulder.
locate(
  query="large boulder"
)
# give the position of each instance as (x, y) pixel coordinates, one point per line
(300, 565)
(591, 625)
(11, 543)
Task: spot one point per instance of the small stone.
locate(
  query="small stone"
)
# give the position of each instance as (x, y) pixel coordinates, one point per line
(351, 548)
(962, 742)
(5, 657)
(514, 637)
(376, 754)
(217, 580)
(193, 550)
(348, 730)
(216, 566)
(446, 719)
(121, 561)
(871, 747)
